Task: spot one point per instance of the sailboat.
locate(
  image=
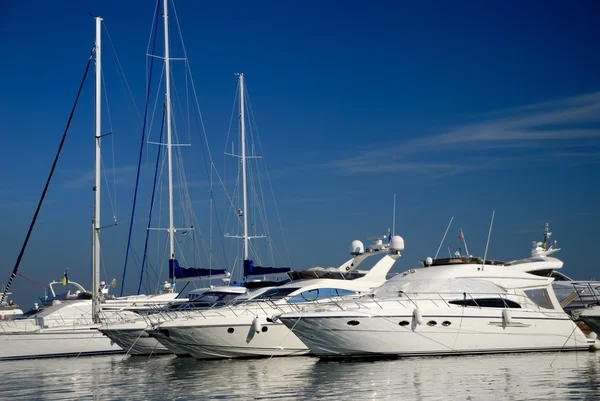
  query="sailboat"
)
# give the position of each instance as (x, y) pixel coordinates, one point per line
(71, 328)
(131, 334)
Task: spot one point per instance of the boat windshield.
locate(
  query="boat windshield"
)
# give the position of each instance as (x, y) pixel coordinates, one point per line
(269, 295)
(210, 298)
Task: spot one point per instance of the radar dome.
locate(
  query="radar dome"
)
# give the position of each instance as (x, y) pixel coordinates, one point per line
(397, 243)
(428, 261)
(357, 248)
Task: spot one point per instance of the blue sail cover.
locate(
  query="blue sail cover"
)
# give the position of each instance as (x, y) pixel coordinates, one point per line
(190, 273)
(251, 270)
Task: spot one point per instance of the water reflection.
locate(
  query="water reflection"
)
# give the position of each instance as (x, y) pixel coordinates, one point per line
(507, 377)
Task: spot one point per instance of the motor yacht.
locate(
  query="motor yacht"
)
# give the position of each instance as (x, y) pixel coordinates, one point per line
(451, 309)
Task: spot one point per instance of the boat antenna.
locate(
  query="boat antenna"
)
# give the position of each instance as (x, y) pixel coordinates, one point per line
(394, 217)
(488, 240)
(444, 237)
(462, 236)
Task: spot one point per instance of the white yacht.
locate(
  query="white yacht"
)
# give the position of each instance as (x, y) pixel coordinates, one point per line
(132, 335)
(65, 327)
(453, 309)
(246, 329)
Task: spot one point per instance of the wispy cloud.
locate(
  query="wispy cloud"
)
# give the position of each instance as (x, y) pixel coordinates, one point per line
(554, 120)
(542, 126)
(86, 179)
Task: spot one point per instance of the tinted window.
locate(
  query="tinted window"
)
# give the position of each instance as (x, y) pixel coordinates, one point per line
(273, 294)
(487, 303)
(540, 297)
(319, 294)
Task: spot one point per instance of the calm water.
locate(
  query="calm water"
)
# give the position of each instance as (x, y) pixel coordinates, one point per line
(551, 376)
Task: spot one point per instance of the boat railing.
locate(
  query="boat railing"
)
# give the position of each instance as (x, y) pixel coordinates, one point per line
(437, 299)
(587, 294)
(298, 306)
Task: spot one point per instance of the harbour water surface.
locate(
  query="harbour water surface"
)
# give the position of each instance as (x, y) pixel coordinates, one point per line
(548, 376)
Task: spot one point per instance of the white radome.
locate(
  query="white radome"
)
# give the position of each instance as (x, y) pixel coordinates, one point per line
(397, 243)
(357, 247)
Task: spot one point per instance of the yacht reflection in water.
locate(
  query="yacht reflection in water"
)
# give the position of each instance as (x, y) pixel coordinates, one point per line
(544, 376)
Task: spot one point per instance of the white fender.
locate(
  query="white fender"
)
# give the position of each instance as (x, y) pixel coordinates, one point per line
(506, 318)
(256, 324)
(417, 316)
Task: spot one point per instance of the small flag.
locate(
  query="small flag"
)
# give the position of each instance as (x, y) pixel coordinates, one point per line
(65, 278)
(114, 283)
(461, 236)
(184, 233)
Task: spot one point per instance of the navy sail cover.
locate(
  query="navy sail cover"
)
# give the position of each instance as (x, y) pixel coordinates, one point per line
(251, 270)
(190, 273)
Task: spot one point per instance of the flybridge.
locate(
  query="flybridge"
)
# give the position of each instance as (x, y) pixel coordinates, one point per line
(347, 271)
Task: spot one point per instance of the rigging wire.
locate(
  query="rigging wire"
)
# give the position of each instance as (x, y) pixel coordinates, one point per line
(114, 180)
(253, 119)
(144, 255)
(37, 211)
(137, 178)
(205, 150)
(36, 283)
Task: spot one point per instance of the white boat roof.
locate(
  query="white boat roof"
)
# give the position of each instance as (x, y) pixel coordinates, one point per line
(439, 285)
(504, 277)
(229, 289)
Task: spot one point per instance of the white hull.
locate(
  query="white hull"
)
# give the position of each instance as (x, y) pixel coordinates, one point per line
(215, 340)
(168, 343)
(135, 341)
(475, 332)
(56, 343)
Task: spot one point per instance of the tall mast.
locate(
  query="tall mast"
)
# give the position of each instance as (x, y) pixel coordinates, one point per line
(171, 229)
(243, 143)
(96, 244)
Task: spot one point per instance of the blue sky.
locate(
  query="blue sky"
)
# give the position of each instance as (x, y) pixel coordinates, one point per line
(459, 108)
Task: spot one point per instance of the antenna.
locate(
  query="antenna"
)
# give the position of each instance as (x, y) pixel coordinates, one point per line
(394, 217)
(443, 238)
(488, 239)
(464, 242)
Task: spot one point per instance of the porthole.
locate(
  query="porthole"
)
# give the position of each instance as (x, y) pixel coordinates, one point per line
(230, 330)
(264, 329)
(404, 323)
(353, 323)
(431, 323)
(446, 323)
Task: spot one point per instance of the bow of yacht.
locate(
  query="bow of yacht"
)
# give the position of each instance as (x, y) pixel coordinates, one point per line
(133, 335)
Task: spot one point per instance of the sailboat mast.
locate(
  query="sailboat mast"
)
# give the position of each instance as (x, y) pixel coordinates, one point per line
(243, 144)
(96, 244)
(171, 229)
